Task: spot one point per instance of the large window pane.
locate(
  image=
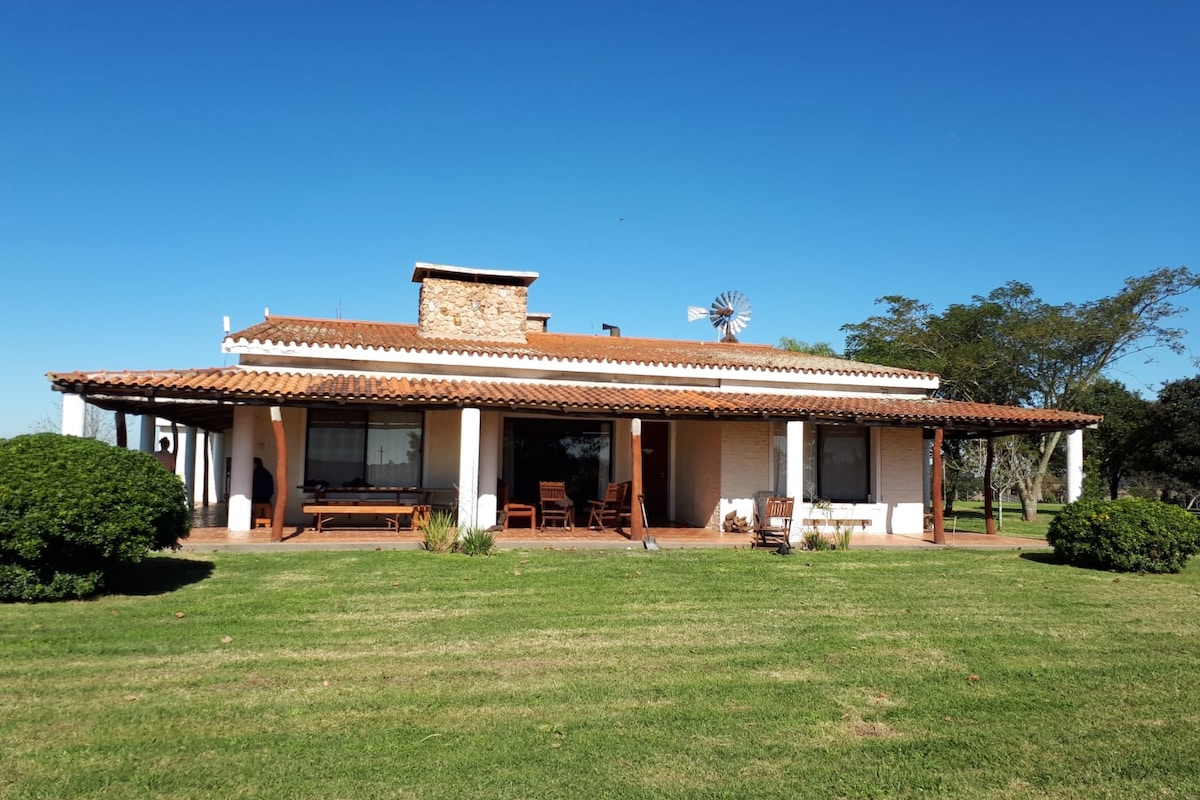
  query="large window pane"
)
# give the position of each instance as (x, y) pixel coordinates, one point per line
(394, 448)
(779, 456)
(381, 448)
(579, 453)
(844, 467)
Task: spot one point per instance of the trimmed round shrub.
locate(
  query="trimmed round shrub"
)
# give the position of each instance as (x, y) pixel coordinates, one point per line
(1127, 535)
(74, 510)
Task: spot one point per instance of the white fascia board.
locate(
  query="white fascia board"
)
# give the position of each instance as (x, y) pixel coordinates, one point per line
(748, 377)
(814, 391)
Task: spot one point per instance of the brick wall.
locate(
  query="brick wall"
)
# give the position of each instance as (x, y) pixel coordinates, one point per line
(745, 466)
(901, 478)
(698, 481)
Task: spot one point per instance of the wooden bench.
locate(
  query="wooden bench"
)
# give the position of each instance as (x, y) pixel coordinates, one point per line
(827, 522)
(391, 512)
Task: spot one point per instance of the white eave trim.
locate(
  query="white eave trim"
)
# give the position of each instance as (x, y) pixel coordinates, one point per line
(517, 364)
(727, 388)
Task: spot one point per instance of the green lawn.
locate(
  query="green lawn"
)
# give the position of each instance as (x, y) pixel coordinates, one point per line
(968, 516)
(608, 674)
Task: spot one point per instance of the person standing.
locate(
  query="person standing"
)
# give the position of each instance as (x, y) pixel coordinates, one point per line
(262, 490)
(164, 454)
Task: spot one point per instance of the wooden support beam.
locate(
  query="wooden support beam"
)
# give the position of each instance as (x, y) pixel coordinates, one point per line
(637, 525)
(939, 506)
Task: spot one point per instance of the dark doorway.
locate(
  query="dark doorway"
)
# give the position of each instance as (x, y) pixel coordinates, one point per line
(579, 453)
(656, 463)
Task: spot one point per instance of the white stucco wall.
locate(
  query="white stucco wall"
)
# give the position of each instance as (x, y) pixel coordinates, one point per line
(442, 436)
(263, 446)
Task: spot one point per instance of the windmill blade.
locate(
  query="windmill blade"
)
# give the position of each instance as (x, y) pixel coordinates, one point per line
(696, 312)
(730, 313)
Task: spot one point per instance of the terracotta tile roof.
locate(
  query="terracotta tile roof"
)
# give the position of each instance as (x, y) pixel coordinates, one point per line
(241, 384)
(388, 336)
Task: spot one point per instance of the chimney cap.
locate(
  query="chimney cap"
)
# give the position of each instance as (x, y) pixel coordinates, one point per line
(503, 277)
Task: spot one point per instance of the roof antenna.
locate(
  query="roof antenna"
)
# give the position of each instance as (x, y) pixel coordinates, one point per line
(225, 323)
(613, 330)
(267, 312)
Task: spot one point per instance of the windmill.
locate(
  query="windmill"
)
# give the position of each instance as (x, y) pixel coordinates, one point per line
(729, 314)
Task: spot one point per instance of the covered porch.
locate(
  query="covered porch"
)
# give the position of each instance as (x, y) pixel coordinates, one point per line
(210, 534)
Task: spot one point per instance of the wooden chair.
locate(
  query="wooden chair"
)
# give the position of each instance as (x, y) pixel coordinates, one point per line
(609, 509)
(510, 512)
(557, 508)
(774, 526)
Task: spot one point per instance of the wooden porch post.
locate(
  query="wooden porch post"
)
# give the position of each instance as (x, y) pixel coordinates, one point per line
(989, 517)
(281, 481)
(122, 434)
(637, 525)
(939, 516)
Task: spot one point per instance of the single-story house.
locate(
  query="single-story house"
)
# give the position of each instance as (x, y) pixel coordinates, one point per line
(478, 398)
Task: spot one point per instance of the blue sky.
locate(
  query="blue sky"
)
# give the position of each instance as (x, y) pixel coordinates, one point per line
(163, 165)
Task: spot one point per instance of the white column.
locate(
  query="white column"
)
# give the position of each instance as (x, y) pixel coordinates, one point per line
(242, 469)
(189, 462)
(146, 433)
(795, 467)
(218, 465)
(1074, 466)
(468, 470)
(74, 408)
(489, 467)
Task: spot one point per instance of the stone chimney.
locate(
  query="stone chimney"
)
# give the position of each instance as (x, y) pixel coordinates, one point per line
(537, 323)
(464, 303)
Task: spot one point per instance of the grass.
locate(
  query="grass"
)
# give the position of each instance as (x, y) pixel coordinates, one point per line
(968, 517)
(607, 674)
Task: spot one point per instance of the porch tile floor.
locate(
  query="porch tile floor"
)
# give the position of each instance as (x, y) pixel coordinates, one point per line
(209, 534)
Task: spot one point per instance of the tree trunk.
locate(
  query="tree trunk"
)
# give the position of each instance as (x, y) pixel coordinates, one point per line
(1029, 488)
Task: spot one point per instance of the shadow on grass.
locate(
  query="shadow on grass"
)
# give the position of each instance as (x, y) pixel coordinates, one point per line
(158, 575)
(1042, 558)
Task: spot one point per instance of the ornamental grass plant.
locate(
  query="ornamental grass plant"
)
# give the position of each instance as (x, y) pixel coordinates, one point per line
(440, 533)
(607, 674)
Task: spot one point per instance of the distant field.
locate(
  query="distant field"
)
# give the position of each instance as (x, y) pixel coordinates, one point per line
(608, 674)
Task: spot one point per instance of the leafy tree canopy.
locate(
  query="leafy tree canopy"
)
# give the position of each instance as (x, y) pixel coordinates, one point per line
(1173, 438)
(814, 348)
(1119, 444)
(1010, 347)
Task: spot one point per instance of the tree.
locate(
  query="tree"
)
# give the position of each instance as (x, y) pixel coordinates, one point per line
(1173, 439)
(1011, 348)
(97, 423)
(814, 349)
(1119, 443)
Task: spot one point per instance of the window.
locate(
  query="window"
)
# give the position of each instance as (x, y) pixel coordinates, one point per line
(381, 448)
(577, 452)
(836, 462)
(843, 463)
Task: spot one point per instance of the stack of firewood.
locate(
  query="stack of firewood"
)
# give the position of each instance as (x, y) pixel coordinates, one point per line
(736, 524)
